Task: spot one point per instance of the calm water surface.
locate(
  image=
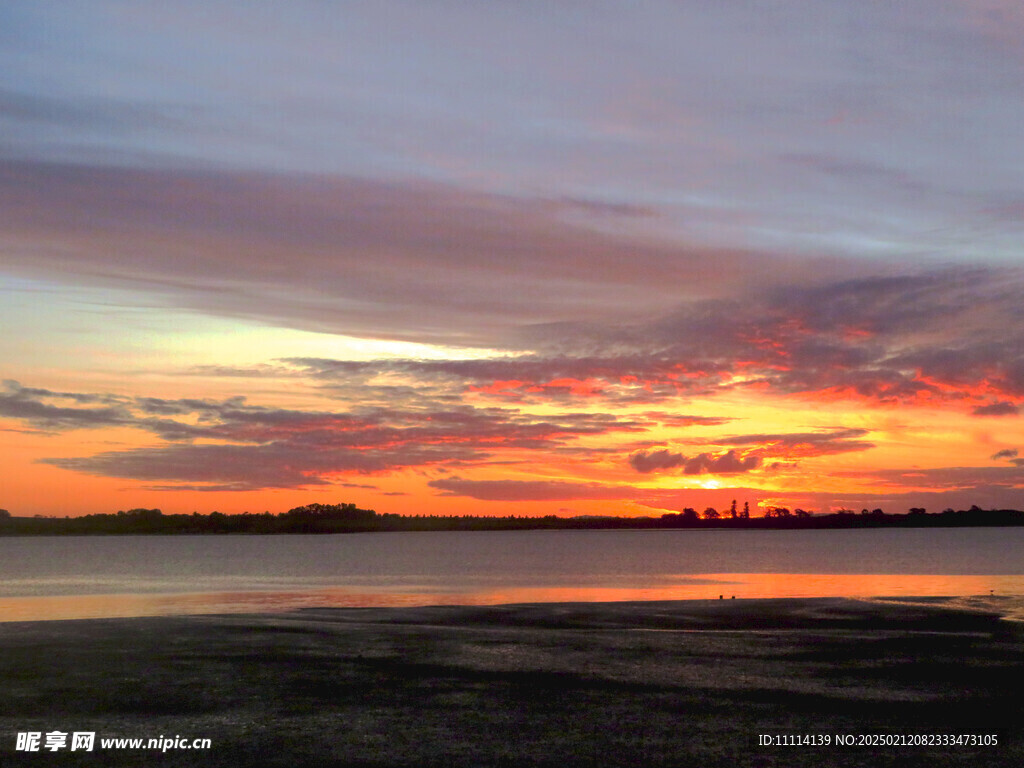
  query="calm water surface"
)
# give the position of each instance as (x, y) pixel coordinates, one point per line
(87, 576)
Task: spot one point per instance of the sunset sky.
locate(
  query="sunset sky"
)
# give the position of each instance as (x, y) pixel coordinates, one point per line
(511, 257)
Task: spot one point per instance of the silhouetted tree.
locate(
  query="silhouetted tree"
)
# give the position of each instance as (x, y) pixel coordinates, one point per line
(140, 512)
(746, 510)
(711, 514)
(732, 509)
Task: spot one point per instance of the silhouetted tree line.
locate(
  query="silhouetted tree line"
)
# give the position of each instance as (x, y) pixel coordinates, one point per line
(785, 518)
(348, 518)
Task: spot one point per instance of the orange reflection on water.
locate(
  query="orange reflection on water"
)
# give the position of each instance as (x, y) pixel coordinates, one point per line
(688, 587)
(711, 586)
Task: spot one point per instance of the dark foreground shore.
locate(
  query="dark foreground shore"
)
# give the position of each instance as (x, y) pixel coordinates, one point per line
(615, 684)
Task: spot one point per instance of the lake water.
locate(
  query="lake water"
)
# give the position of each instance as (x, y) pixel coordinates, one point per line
(93, 576)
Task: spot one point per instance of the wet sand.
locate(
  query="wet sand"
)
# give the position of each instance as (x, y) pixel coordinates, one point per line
(587, 684)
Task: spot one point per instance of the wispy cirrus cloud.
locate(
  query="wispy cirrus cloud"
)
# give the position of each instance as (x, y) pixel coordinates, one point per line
(924, 338)
(794, 445)
(30, 405)
(233, 444)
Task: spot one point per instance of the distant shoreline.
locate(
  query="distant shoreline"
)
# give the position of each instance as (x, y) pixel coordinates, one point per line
(347, 518)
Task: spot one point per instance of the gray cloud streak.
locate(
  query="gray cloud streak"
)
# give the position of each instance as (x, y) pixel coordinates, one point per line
(246, 447)
(414, 261)
(705, 463)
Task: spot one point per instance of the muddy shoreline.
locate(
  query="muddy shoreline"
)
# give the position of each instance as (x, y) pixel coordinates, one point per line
(586, 684)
